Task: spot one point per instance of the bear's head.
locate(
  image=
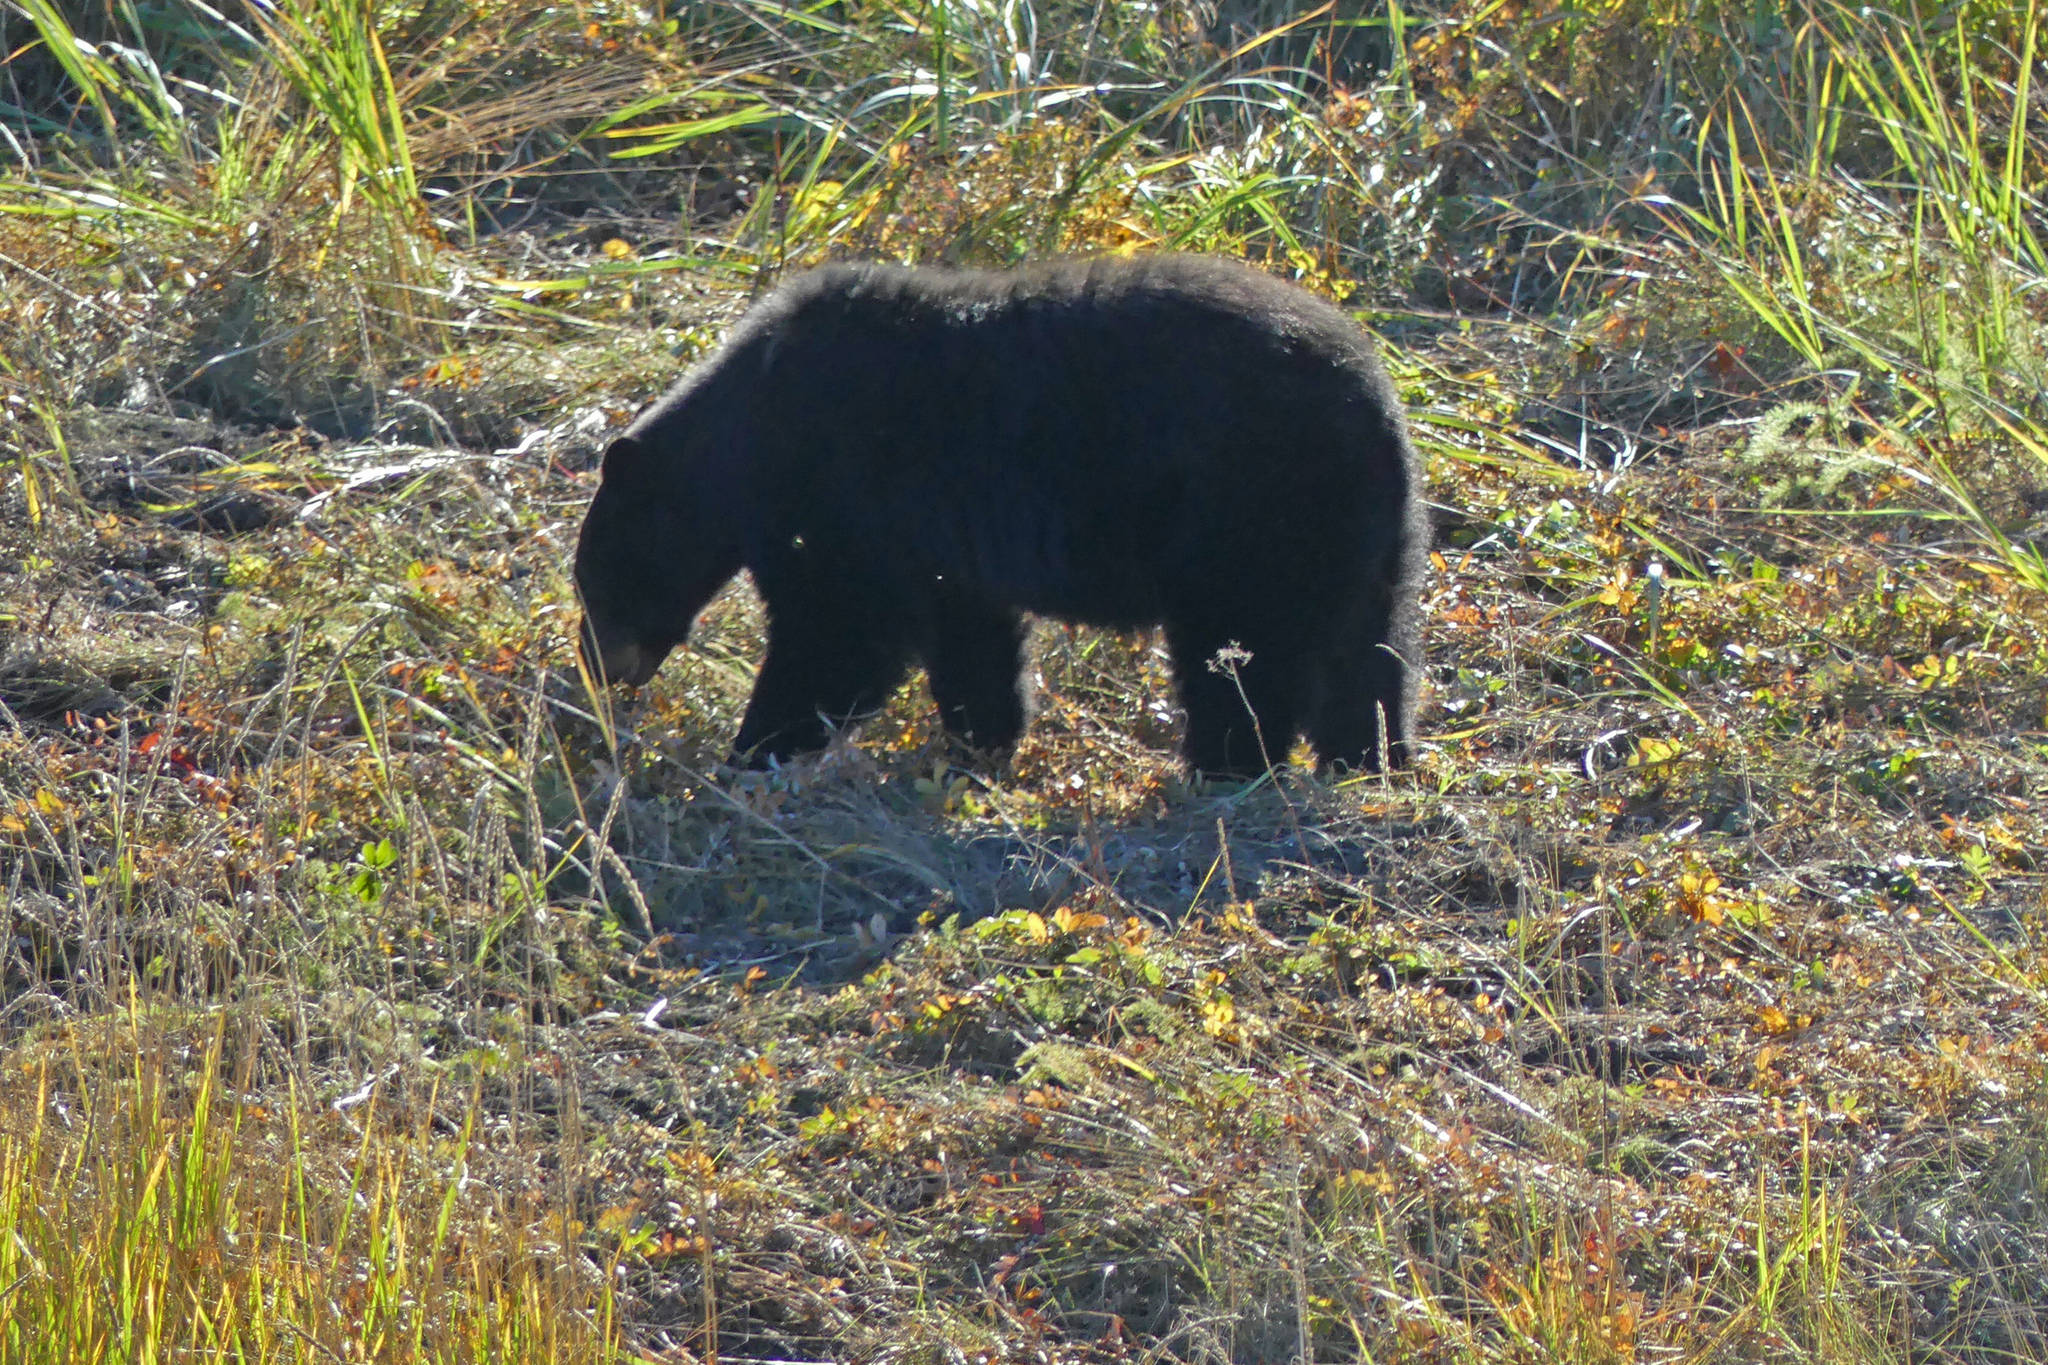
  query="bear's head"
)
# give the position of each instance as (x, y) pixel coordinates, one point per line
(651, 553)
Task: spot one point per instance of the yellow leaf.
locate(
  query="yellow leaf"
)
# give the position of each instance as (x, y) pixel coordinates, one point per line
(1651, 751)
(1698, 884)
(1067, 922)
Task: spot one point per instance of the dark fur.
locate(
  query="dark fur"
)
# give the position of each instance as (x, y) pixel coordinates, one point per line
(907, 460)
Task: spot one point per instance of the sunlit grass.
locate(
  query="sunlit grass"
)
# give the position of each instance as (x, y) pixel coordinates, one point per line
(153, 1208)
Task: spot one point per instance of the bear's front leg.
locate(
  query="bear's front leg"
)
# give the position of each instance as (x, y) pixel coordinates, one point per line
(814, 680)
(974, 664)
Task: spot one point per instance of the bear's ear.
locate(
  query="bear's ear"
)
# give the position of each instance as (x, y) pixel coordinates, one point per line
(624, 458)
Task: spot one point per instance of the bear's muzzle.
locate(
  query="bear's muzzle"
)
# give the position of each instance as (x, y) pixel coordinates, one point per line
(617, 661)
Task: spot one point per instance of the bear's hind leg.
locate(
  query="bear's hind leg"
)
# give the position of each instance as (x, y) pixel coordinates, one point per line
(1222, 740)
(1360, 687)
(975, 663)
(810, 682)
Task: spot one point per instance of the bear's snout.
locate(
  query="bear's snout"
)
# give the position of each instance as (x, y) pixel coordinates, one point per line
(621, 661)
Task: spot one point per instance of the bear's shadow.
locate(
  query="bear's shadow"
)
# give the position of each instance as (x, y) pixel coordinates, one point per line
(755, 872)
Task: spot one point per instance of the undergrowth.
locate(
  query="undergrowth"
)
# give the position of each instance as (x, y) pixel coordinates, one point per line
(374, 991)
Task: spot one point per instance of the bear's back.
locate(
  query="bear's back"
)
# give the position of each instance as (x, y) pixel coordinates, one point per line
(1128, 291)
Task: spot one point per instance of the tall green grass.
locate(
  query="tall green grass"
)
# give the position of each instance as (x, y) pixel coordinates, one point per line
(1902, 278)
(150, 1211)
(279, 220)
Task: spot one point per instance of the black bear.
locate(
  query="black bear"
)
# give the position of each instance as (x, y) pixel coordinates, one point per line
(910, 459)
